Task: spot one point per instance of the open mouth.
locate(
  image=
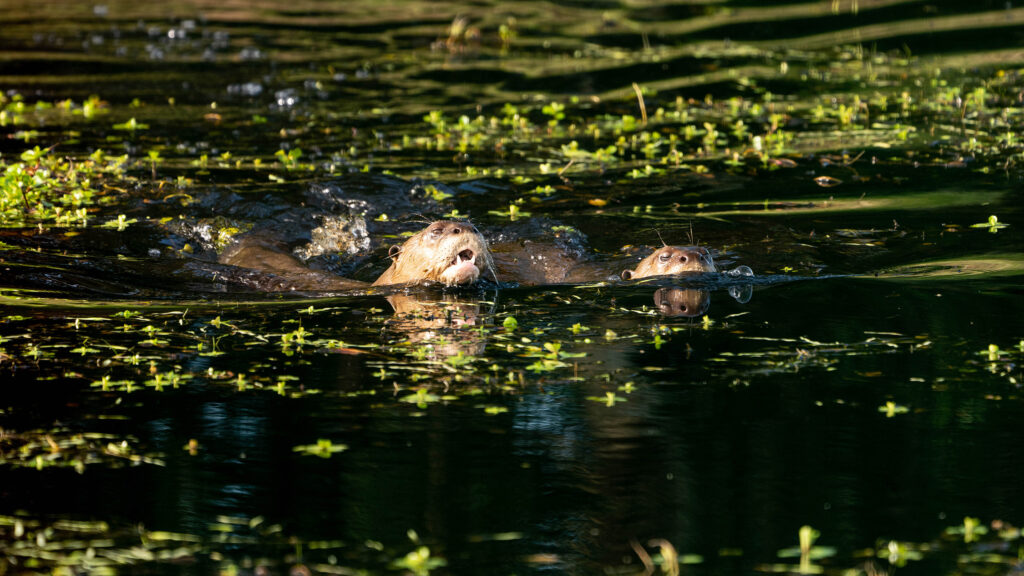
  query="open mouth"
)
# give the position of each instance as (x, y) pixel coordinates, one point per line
(462, 269)
(466, 255)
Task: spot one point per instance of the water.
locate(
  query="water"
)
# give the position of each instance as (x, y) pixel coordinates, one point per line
(163, 413)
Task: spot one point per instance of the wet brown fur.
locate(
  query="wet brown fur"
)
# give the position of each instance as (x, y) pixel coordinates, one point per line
(429, 255)
(673, 261)
(425, 256)
(289, 273)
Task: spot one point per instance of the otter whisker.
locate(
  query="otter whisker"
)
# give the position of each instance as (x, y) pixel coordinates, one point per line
(489, 262)
(656, 231)
(419, 218)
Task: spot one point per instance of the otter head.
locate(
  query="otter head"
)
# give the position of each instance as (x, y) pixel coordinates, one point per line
(673, 261)
(452, 253)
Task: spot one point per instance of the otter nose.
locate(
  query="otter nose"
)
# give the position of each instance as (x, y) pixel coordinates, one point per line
(696, 256)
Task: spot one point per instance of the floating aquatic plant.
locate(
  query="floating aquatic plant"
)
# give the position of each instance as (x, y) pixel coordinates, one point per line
(993, 225)
(323, 448)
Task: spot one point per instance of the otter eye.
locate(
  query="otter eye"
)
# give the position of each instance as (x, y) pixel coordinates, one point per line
(456, 230)
(437, 230)
(665, 257)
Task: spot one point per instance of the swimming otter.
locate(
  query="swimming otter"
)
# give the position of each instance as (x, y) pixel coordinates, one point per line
(449, 252)
(673, 261)
(452, 253)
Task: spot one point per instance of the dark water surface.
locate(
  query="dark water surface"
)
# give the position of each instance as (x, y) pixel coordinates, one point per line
(163, 413)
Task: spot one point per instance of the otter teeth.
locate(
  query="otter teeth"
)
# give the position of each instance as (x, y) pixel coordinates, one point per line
(464, 256)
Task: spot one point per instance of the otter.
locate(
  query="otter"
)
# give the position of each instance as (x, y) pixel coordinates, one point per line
(449, 252)
(673, 261)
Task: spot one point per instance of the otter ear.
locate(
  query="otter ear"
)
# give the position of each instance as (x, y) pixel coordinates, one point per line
(394, 251)
(627, 274)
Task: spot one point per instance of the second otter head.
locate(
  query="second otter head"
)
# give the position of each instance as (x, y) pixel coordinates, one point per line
(452, 253)
(673, 261)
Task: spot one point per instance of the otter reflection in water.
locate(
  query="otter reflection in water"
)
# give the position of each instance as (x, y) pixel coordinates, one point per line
(447, 252)
(691, 302)
(448, 325)
(685, 302)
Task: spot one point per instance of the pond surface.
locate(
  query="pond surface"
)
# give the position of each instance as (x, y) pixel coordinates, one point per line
(166, 413)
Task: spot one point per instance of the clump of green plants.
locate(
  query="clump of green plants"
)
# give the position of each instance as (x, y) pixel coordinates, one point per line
(40, 449)
(45, 187)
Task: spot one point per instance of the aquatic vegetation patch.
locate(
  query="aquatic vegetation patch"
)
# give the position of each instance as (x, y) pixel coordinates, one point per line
(437, 357)
(66, 449)
(46, 187)
(323, 448)
(35, 543)
(229, 544)
(580, 140)
(233, 543)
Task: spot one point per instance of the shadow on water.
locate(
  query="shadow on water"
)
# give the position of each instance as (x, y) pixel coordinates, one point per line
(996, 268)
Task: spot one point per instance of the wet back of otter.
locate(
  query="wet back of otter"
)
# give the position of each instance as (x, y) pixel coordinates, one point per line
(283, 272)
